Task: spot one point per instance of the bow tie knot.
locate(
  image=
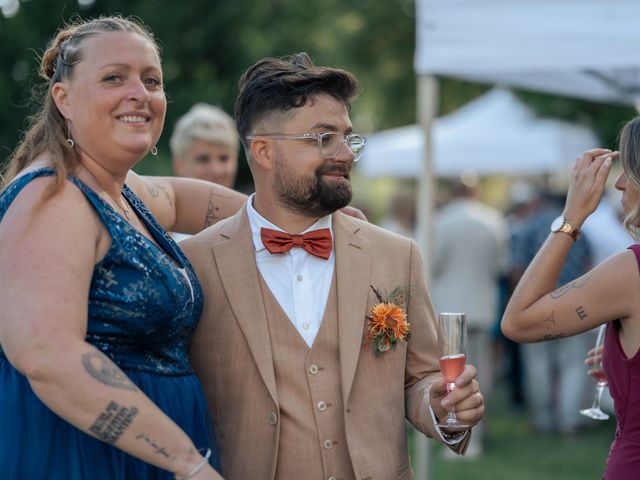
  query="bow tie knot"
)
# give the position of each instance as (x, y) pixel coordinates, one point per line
(316, 242)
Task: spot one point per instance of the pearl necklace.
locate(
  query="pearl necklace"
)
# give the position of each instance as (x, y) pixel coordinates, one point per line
(122, 206)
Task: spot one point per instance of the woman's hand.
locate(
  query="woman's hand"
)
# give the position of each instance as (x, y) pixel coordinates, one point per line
(587, 184)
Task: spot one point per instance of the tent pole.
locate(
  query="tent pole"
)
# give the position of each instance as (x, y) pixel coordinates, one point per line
(427, 90)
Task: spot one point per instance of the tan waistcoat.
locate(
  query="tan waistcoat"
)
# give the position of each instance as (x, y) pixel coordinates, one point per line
(312, 436)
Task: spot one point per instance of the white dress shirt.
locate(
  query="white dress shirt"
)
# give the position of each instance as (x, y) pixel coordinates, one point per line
(299, 281)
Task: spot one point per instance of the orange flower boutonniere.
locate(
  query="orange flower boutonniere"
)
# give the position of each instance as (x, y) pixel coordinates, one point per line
(388, 321)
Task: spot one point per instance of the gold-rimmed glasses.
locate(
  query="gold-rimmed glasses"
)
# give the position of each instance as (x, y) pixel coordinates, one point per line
(329, 143)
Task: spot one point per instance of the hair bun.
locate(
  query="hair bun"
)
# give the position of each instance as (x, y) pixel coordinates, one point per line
(50, 57)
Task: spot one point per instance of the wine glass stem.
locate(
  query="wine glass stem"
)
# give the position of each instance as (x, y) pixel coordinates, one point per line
(599, 389)
(451, 414)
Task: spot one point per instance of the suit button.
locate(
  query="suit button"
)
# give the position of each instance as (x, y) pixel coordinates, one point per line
(313, 369)
(322, 406)
(328, 444)
(273, 418)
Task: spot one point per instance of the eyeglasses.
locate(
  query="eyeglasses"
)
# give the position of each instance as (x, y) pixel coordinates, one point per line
(329, 143)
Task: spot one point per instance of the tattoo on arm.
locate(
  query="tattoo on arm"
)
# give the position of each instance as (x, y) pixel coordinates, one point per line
(550, 336)
(105, 371)
(113, 422)
(581, 313)
(158, 449)
(211, 215)
(550, 321)
(581, 282)
(154, 190)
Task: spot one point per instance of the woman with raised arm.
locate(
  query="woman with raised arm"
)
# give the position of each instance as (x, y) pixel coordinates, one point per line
(97, 302)
(609, 294)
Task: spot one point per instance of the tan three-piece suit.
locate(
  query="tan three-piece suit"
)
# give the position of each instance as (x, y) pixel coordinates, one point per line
(282, 410)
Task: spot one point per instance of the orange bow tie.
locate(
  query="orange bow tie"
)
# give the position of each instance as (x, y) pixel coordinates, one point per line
(317, 242)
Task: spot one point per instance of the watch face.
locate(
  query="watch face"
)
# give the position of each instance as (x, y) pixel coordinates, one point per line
(557, 223)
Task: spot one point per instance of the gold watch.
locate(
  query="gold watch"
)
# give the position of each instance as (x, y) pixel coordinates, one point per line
(560, 224)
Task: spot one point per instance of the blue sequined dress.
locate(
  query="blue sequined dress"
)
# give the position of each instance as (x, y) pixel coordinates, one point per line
(144, 303)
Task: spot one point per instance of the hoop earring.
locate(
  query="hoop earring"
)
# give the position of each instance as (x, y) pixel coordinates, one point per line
(71, 142)
(154, 151)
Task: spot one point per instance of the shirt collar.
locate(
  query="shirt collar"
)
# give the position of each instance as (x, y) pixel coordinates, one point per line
(257, 221)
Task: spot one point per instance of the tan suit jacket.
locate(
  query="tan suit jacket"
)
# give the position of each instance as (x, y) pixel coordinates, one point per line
(231, 350)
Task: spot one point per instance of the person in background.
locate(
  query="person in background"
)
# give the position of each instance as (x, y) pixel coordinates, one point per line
(317, 371)
(204, 144)
(607, 294)
(470, 252)
(98, 303)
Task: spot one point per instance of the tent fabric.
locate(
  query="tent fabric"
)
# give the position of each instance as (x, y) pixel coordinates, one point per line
(555, 46)
(494, 134)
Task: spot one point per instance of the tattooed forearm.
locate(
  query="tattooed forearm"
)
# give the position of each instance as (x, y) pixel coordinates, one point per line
(581, 282)
(157, 448)
(581, 313)
(154, 190)
(105, 371)
(211, 215)
(550, 321)
(550, 336)
(113, 422)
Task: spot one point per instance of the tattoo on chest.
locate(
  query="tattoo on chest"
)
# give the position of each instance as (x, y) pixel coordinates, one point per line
(581, 282)
(154, 190)
(105, 371)
(113, 422)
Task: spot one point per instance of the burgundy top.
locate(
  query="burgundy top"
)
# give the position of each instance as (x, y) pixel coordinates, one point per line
(623, 375)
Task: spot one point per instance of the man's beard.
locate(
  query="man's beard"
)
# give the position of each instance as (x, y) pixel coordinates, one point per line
(312, 196)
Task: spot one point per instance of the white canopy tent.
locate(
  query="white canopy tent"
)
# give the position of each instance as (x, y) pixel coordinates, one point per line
(493, 134)
(578, 48)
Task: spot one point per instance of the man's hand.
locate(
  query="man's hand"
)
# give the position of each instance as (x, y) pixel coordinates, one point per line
(466, 397)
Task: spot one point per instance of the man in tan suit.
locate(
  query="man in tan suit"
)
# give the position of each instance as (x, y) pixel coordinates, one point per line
(296, 386)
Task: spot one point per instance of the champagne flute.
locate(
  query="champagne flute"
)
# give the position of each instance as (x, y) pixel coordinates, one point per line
(601, 382)
(452, 342)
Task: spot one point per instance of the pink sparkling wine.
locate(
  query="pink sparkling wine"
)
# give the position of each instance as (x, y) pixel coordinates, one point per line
(452, 366)
(600, 376)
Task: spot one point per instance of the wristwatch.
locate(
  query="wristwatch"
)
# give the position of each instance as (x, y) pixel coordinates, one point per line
(560, 224)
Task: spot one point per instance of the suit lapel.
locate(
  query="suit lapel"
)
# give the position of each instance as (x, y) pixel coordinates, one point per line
(236, 262)
(353, 264)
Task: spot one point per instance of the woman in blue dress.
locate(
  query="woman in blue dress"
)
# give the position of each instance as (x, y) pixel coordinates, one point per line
(97, 303)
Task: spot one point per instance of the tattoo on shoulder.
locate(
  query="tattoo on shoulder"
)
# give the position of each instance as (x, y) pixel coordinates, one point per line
(157, 448)
(105, 371)
(581, 282)
(112, 422)
(155, 189)
(212, 212)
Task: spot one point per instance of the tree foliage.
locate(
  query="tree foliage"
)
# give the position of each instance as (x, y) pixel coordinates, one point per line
(207, 44)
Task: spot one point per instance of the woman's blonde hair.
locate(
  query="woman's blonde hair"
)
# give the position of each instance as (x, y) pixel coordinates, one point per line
(629, 147)
(48, 130)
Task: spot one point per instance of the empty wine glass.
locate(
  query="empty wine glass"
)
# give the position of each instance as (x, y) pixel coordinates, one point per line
(452, 342)
(601, 381)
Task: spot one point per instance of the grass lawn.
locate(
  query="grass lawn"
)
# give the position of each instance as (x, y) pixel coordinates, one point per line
(514, 451)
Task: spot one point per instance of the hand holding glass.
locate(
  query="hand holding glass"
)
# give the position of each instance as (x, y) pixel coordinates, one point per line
(601, 382)
(452, 342)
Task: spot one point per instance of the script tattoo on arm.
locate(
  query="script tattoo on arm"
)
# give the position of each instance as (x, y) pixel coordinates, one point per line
(550, 336)
(154, 190)
(105, 371)
(157, 448)
(210, 217)
(581, 282)
(112, 423)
